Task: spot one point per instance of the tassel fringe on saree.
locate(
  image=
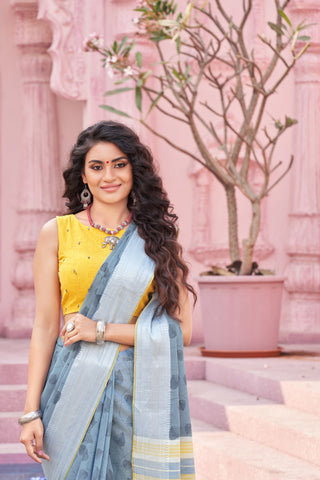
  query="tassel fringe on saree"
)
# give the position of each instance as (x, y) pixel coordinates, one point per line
(120, 416)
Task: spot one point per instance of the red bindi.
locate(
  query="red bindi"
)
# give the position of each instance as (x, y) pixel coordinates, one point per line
(107, 162)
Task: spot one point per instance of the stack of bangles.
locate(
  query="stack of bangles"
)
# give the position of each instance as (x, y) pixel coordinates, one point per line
(29, 417)
(101, 327)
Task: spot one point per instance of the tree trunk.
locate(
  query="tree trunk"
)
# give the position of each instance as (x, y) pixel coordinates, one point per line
(232, 224)
(249, 243)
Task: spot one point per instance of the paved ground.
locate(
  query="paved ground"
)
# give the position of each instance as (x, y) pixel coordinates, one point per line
(21, 472)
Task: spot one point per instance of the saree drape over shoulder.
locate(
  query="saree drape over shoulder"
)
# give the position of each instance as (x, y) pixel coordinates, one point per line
(120, 416)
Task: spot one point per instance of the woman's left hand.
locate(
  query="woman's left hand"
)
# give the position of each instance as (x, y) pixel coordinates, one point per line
(84, 329)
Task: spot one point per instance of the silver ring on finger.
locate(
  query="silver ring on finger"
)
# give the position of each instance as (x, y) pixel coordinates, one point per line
(70, 326)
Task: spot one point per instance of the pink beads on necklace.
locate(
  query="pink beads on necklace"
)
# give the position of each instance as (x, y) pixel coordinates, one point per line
(108, 231)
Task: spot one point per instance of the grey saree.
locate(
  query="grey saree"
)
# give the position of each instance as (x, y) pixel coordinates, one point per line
(120, 416)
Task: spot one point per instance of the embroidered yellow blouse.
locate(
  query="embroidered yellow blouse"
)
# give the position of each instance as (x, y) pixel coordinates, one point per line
(80, 257)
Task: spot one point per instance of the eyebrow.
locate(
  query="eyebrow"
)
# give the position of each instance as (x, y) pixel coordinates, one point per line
(114, 160)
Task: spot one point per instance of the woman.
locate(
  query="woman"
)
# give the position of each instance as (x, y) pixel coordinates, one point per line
(110, 411)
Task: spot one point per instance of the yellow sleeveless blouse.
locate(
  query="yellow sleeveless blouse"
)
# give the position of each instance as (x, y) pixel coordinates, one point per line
(80, 256)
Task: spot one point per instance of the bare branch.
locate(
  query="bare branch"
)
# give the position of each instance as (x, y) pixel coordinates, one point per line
(210, 128)
(169, 79)
(280, 80)
(165, 112)
(281, 176)
(247, 11)
(277, 54)
(174, 145)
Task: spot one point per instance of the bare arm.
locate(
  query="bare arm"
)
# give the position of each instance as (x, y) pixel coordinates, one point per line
(45, 332)
(124, 334)
(185, 316)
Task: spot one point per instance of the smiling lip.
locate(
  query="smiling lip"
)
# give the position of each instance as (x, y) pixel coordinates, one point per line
(110, 188)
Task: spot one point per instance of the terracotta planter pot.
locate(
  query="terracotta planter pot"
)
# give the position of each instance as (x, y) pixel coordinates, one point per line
(241, 315)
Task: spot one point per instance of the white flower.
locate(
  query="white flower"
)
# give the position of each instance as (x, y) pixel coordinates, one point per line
(92, 42)
(135, 20)
(114, 59)
(110, 73)
(128, 71)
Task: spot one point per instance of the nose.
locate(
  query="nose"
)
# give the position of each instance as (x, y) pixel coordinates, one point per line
(108, 174)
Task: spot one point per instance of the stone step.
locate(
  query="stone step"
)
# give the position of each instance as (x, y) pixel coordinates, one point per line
(21, 471)
(13, 374)
(221, 455)
(13, 361)
(254, 418)
(290, 379)
(9, 427)
(12, 397)
(13, 453)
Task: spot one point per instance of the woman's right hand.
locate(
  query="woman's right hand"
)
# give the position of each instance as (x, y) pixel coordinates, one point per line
(32, 438)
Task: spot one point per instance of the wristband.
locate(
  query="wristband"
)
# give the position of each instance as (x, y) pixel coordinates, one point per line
(29, 417)
(101, 326)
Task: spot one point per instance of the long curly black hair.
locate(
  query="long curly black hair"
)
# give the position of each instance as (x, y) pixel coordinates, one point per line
(151, 210)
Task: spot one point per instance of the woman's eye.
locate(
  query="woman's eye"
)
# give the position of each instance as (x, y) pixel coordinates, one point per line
(121, 164)
(96, 167)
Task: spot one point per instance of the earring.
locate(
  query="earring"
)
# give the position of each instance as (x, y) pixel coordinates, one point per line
(85, 196)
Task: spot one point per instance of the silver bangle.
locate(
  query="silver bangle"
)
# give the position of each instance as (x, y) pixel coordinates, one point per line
(29, 417)
(101, 326)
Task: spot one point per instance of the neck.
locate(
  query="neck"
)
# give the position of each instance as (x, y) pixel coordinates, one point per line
(109, 215)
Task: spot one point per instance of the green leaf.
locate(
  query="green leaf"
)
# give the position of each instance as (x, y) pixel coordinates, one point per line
(155, 101)
(114, 110)
(139, 59)
(122, 80)
(178, 43)
(168, 23)
(304, 38)
(284, 16)
(117, 90)
(123, 42)
(290, 121)
(176, 74)
(146, 74)
(139, 98)
(275, 28)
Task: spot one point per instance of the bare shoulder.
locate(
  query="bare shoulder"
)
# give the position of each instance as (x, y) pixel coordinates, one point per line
(49, 234)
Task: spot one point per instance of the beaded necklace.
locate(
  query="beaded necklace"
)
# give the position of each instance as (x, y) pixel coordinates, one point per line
(113, 240)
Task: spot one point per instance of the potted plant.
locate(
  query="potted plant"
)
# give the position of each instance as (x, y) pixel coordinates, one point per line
(208, 78)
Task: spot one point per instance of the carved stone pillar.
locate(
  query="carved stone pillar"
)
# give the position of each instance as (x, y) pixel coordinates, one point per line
(39, 191)
(302, 309)
(76, 75)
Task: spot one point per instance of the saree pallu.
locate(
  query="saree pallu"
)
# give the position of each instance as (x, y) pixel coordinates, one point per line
(120, 416)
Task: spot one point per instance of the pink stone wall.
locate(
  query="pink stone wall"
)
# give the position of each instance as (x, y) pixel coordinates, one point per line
(198, 199)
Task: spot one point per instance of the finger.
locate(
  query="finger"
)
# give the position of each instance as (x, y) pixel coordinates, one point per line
(30, 448)
(73, 332)
(71, 339)
(38, 443)
(64, 333)
(43, 455)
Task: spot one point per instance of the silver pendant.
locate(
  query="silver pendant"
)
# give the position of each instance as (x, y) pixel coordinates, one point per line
(111, 241)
